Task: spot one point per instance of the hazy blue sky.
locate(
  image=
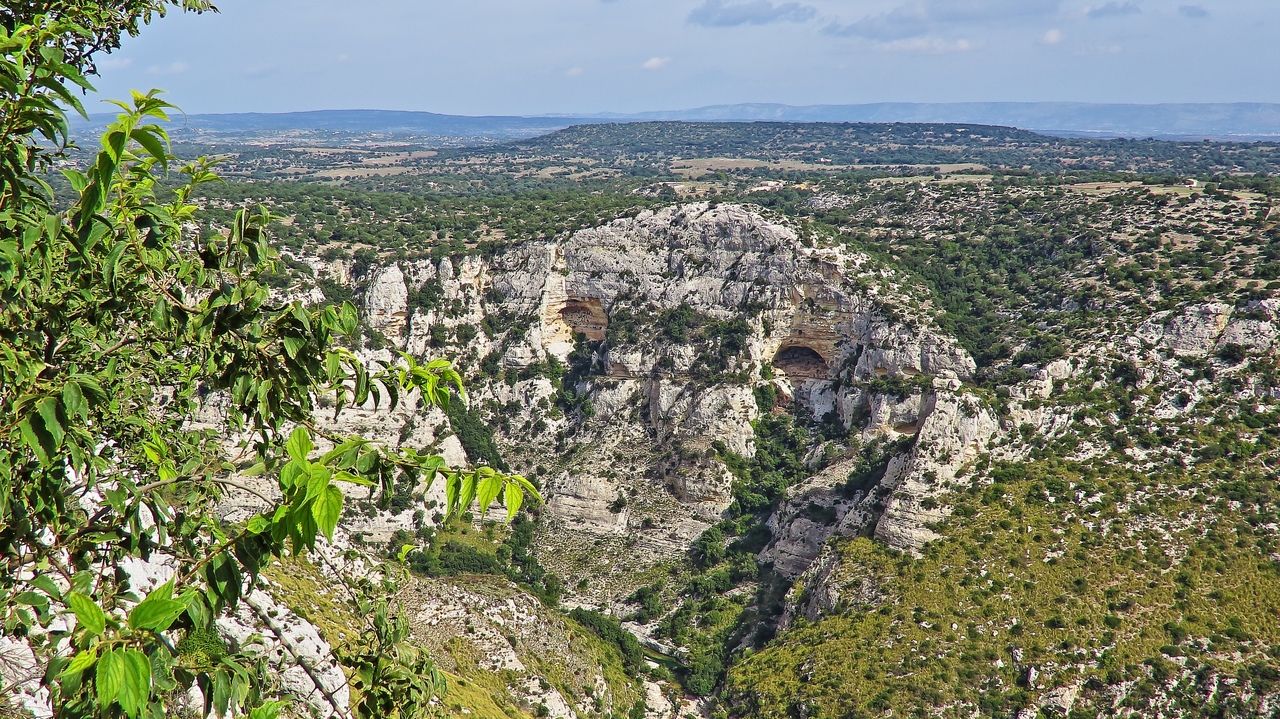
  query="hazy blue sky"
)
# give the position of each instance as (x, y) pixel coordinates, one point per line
(546, 56)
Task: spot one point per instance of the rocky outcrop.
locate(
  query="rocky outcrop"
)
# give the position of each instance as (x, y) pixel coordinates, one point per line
(386, 302)
(303, 660)
(1201, 330)
(823, 507)
(956, 427)
(489, 621)
(621, 308)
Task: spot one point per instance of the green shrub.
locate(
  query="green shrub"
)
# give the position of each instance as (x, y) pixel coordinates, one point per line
(608, 629)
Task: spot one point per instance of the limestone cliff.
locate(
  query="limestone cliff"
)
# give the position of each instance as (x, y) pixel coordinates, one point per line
(657, 329)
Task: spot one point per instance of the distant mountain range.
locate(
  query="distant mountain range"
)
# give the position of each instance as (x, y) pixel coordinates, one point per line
(397, 122)
(1225, 121)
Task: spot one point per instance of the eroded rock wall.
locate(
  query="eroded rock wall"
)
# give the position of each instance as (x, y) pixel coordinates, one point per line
(631, 475)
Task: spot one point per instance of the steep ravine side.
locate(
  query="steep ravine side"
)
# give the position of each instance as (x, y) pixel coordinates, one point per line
(623, 366)
(618, 362)
(1110, 550)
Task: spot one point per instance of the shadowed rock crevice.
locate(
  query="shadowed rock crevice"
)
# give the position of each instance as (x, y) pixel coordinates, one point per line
(799, 361)
(586, 317)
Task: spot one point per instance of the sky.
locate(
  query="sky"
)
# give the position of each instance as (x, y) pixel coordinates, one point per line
(525, 57)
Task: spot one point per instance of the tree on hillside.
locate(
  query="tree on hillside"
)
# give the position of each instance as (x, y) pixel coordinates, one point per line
(116, 321)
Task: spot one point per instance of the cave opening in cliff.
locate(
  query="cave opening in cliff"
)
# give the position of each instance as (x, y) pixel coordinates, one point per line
(586, 317)
(801, 361)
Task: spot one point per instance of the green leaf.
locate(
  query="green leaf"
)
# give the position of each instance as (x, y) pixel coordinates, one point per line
(452, 484)
(326, 509)
(136, 689)
(486, 491)
(320, 477)
(293, 474)
(46, 585)
(224, 578)
(367, 462)
(353, 479)
(515, 497)
(156, 614)
(32, 599)
(80, 662)
(110, 676)
(76, 179)
(89, 385)
(528, 487)
(300, 444)
(468, 493)
(88, 613)
(293, 345)
(164, 591)
(111, 266)
(74, 402)
(48, 408)
(268, 710)
(342, 449)
(221, 692)
(333, 366)
(258, 524)
(350, 318)
(151, 144)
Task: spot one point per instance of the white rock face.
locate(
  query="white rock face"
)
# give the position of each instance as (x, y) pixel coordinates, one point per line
(1060, 700)
(955, 429)
(1257, 335)
(584, 501)
(20, 674)
(292, 645)
(1200, 330)
(815, 511)
(507, 631)
(645, 480)
(1196, 331)
(721, 413)
(890, 414)
(386, 302)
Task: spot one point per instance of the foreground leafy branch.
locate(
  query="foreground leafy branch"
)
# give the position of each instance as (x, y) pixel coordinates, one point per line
(118, 325)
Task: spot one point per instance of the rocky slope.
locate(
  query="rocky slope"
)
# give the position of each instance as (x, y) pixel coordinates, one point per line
(622, 367)
(632, 369)
(621, 314)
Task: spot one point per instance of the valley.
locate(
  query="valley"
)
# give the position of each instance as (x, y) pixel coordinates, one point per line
(828, 420)
(832, 442)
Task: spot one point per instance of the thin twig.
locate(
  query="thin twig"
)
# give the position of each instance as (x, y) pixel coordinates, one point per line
(215, 480)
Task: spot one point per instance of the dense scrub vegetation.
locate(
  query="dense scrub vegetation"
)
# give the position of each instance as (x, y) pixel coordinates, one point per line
(1091, 596)
(337, 221)
(647, 144)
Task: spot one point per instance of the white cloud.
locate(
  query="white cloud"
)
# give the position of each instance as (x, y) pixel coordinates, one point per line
(1193, 11)
(174, 68)
(573, 72)
(929, 45)
(1113, 9)
(114, 63)
(718, 13)
(920, 18)
(1052, 37)
(656, 63)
